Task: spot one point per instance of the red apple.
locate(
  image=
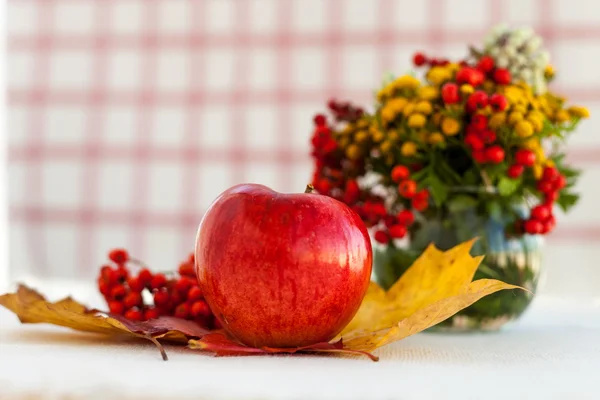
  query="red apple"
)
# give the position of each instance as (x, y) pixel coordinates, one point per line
(282, 270)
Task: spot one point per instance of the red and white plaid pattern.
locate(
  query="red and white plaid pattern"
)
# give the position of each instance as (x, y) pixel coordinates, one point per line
(127, 117)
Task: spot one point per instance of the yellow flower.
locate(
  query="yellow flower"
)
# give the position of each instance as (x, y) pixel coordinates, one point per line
(424, 107)
(436, 138)
(386, 146)
(524, 128)
(515, 117)
(579, 111)
(397, 104)
(521, 108)
(362, 123)
(497, 120)
(438, 75)
(408, 149)
(353, 152)
(428, 93)
(466, 89)
(343, 142)
(377, 136)
(549, 163)
(450, 126)
(536, 122)
(538, 170)
(361, 136)
(408, 109)
(488, 85)
(549, 72)
(532, 144)
(422, 136)
(393, 135)
(562, 116)
(406, 82)
(416, 120)
(388, 113)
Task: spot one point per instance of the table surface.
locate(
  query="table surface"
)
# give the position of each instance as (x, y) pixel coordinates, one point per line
(553, 352)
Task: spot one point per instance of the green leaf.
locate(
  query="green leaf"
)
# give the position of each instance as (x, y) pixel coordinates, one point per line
(460, 203)
(437, 188)
(507, 186)
(567, 200)
(494, 210)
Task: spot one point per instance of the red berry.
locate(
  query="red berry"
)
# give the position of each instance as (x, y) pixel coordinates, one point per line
(104, 287)
(182, 311)
(485, 64)
(323, 186)
(450, 93)
(525, 157)
(477, 100)
(118, 292)
(494, 154)
(560, 182)
(407, 188)
(498, 102)
(352, 192)
(390, 221)
(122, 273)
(183, 284)
(551, 222)
(145, 276)
(132, 299)
(151, 313)
(134, 314)
(382, 237)
(550, 174)
(419, 59)
(474, 142)
(400, 173)
(515, 170)
(320, 120)
(545, 187)
(488, 136)
(419, 204)
(333, 105)
(187, 269)
(540, 212)
(479, 122)
(158, 281)
(533, 227)
(116, 307)
(194, 293)
(135, 284)
(398, 231)
(479, 156)
(469, 75)
(200, 309)
(550, 197)
(406, 217)
(118, 256)
(502, 76)
(109, 274)
(161, 298)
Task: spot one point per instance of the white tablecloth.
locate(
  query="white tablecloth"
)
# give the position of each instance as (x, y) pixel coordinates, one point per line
(552, 353)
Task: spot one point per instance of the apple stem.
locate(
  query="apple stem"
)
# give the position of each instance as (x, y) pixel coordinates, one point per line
(309, 189)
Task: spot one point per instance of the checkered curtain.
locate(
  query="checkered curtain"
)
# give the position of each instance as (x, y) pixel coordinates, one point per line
(126, 118)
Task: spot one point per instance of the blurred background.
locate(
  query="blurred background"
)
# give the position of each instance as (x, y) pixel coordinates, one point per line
(127, 118)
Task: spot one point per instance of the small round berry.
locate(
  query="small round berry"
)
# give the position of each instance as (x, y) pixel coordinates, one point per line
(560, 182)
(474, 142)
(183, 284)
(182, 311)
(479, 122)
(502, 76)
(390, 221)
(533, 227)
(382, 237)
(398, 231)
(187, 269)
(104, 287)
(450, 93)
(122, 273)
(200, 309)
(158, 281)
(485, 64)
(135, 284)
(109, 274)
(161, 298)
(216, 324)
(470, 76)
(408, 149)
(351, 192)
(545, 187)
(540, 212)
(494, 154)
(407, 188)
(400, 173)
(133, 314)
(550, 174)
(118, 256)
(333, 105)
(515, 171)
(419, 204)
(132, 299)
(116, 307)
(151, 313)
(118, 292)
(479, 156)
(419, 59)
(488, 136)
(498, 102)
(145, 276)
(194, 293)
(477, 100)
(525, 157)
(406, 217)
(320, 120)
(550, 197)
(450, 126)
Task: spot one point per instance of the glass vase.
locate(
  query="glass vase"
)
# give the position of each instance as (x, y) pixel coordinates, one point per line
(512, 259)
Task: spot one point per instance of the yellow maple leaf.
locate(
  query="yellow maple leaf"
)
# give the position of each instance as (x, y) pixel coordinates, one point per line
(437, 286)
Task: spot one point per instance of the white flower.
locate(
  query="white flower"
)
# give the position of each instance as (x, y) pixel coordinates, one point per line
(526, 74)
(510, 51)
(521, 60)
(526, 32)
(502, 61)
(533, 44)
(494, 52)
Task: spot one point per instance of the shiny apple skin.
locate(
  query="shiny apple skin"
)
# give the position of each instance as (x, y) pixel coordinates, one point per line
(282, 270)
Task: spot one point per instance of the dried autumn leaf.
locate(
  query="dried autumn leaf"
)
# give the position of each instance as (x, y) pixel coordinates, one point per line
(221, 345)
(435, 287)
(33, 308)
